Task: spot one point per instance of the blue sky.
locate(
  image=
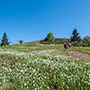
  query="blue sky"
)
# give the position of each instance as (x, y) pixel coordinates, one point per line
(31, 20)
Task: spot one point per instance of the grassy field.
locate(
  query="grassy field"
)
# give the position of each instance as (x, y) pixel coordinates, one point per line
(34, 66)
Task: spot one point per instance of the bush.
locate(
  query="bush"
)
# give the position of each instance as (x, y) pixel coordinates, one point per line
(57, 41)
(75, 43)
(86, 41)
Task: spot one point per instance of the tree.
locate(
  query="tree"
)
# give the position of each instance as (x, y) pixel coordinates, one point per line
(87, 38)
(75, 36)
(20, 41)
(86, 41)
(4, 40)
(50, 37)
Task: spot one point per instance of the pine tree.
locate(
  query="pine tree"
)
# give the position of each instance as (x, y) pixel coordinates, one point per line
(4, 40)
(50, 37)
(75, 36)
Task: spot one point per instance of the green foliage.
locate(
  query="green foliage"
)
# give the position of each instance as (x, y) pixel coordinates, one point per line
(75, 43)
(20, 41)
(50, 37)
(8, 43)
(87, 38)
(82, 49)
(4, 40)
(2, 43)
(86, 41)
(57, 41)
(75, 36)
(61, 40)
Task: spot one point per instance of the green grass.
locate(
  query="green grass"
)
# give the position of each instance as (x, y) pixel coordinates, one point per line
(34, 66)
(82, 49)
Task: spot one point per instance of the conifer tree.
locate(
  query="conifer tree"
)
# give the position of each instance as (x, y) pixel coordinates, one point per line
(4, 40)
(75, 36)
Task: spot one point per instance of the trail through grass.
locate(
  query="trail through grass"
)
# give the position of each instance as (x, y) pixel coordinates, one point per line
(41, 67)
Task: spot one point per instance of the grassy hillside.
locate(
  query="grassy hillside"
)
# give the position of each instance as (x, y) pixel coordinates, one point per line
(35, 66)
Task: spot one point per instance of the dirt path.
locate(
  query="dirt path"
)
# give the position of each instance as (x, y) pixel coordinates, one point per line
(79, 55)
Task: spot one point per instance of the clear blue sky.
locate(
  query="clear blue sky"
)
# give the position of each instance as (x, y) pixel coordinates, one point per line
(31, 20)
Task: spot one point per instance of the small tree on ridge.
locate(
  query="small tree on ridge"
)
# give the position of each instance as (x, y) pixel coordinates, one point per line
(20, 41)
(50, 37)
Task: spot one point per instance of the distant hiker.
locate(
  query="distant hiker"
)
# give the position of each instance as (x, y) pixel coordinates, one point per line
(65, 45)
(70, 45)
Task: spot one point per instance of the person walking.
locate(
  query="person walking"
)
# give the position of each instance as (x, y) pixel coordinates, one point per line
(70, 45)
(65, 45)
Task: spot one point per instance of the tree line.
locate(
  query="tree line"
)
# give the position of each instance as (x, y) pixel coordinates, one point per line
(75, 39)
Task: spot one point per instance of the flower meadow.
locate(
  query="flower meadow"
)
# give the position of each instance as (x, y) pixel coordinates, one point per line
(41, 67)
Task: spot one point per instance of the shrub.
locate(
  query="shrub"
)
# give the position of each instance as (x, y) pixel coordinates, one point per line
(86, 41)
(75, 43)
